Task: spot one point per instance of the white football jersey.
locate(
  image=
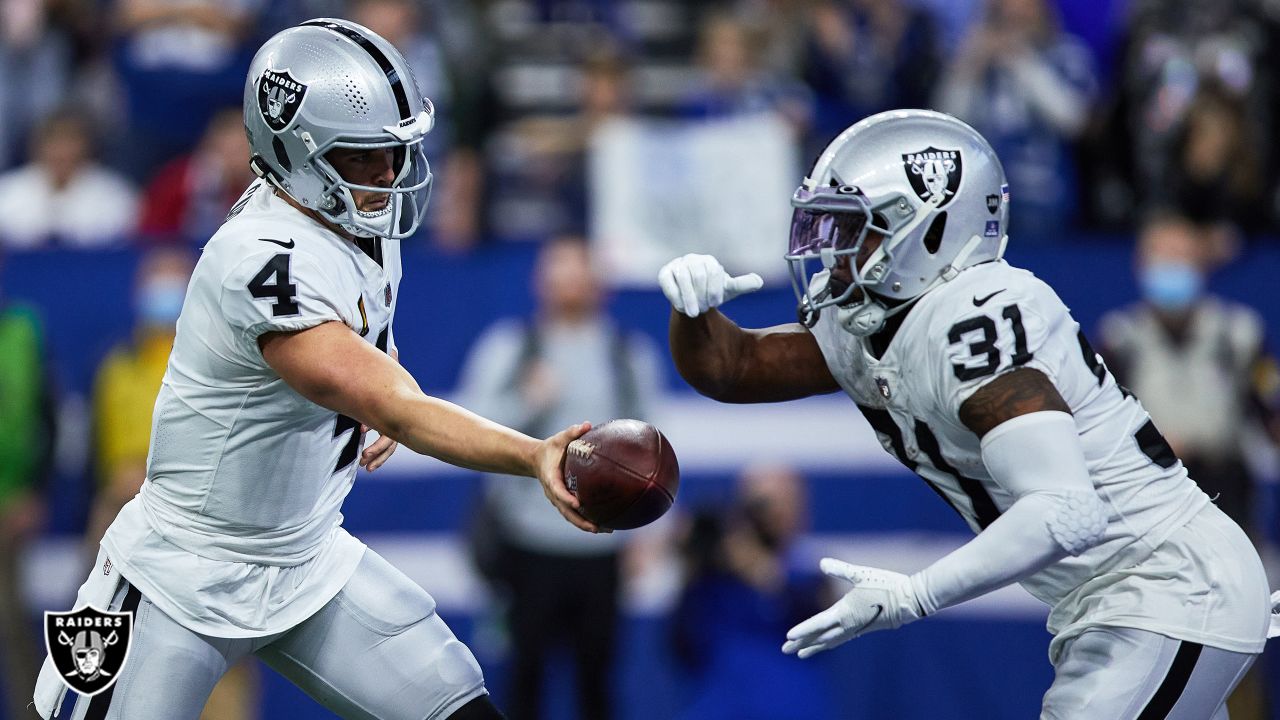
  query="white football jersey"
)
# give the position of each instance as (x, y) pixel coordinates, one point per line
(236, 531)
(990, 319)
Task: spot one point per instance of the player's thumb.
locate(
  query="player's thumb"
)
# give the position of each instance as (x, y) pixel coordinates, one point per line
(741, 285)
(832, 567)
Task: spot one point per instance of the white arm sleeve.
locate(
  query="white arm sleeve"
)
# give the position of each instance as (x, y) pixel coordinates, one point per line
(1038, 458)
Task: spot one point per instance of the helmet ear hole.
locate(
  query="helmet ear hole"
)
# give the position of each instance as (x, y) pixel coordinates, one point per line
(282, 156)
(933, 236)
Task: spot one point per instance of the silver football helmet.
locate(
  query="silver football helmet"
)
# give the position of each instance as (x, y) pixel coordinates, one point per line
(328, 84)
(927, 183)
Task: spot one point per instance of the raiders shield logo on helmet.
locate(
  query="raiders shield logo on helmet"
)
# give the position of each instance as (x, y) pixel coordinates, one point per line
(993, 203)
(933, 172)
(88, 646)
(279, 97)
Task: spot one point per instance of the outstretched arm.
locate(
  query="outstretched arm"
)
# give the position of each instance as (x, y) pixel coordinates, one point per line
(1030, 446)
(374, 389)
(729, 363)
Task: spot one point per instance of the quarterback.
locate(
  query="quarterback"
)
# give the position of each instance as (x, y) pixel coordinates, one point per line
(973, 373)
(284, 357)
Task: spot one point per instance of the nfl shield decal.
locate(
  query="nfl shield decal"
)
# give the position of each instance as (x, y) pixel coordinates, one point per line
(88, 646)
(279, 97)
(934, 172)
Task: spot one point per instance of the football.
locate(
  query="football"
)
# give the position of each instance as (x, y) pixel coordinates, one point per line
(624, 473)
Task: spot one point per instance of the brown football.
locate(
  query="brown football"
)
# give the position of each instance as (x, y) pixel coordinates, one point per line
(624, 473)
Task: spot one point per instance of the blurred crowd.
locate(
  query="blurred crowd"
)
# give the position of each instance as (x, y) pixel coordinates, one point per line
(120, 125)
(118, 121)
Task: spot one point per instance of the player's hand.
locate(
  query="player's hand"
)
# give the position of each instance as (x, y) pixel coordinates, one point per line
(550, 460)
(376, 455)
(696, 283)
(1274, 631)
(879, 600)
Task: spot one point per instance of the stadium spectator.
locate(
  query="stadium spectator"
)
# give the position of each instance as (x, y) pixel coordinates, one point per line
(35, 71)
(1174, 50)
(1199, 364)
(1029, 88)
(543, 167)
(179, 62)
(1214, 174)
(731, 83)
(63, 197)
(26, 447)
(189, 197)
(865, 56)
(567, 361)
(746, 584)
(124, 394)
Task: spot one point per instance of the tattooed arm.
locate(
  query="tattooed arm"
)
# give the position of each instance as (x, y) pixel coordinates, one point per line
(1015, 393)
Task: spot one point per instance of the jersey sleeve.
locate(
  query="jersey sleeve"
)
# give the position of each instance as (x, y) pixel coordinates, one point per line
(277, 292)
(1022, 324)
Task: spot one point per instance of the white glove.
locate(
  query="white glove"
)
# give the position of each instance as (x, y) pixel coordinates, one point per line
(1275, 615)
(696, 283)
(879, 600)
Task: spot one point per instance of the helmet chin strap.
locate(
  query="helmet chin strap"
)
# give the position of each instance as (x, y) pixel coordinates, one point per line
(869, 316)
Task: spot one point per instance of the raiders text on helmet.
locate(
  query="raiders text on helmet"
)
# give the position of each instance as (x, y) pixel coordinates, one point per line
(929, 184)
(329, 84)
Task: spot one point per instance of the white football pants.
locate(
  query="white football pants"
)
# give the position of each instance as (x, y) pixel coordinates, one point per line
(376, 651)
(1128, 674)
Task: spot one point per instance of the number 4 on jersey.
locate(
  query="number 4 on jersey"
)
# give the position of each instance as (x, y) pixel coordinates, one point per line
(272, 281)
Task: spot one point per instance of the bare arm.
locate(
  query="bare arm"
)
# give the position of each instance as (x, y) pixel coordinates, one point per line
(732, 364)
(371, 387)
(1015, 393)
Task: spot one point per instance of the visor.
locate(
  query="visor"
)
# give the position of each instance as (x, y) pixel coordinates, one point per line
(828, 228)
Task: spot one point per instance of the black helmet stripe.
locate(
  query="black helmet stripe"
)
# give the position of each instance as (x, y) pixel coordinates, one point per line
(393, 76)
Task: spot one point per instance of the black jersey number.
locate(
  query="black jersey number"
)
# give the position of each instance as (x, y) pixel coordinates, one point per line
(1149, 438)
(345, 424)
(272, 281)
(984, 506)
(985, 347)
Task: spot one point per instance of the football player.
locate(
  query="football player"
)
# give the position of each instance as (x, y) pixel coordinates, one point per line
(284, 355)
(973, 373)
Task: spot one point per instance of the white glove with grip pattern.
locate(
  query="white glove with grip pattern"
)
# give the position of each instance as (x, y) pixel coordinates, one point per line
(879, 600)
(1274, 631)
(695, 284)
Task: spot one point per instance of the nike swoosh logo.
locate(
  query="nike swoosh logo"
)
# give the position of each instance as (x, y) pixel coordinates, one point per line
(879, 611)
(983, 301)
(281, 243)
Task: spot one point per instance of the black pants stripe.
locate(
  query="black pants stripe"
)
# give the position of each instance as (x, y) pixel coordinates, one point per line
(1175, 681)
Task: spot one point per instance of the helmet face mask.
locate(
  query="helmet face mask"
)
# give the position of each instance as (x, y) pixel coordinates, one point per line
(331, 85)
(931, 190)
(407, 196)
